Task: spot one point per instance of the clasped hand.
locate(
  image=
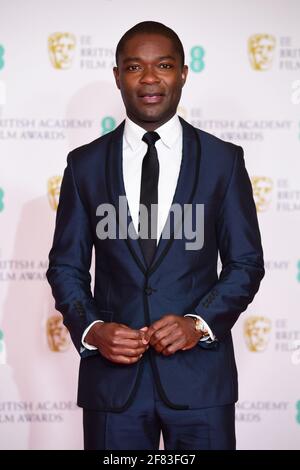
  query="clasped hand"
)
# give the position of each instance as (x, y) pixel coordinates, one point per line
(124, 345)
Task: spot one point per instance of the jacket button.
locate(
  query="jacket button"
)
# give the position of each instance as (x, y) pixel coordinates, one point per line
(149, 290)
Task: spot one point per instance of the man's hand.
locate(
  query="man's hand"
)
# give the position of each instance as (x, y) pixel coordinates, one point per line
(117, 342)
(172, 333)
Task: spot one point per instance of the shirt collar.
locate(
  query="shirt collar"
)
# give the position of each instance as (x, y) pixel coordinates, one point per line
(169, 132)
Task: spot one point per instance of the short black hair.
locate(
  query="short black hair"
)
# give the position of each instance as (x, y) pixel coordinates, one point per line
(151, 27)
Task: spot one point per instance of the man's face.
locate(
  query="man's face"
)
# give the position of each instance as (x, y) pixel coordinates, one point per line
(150, 77)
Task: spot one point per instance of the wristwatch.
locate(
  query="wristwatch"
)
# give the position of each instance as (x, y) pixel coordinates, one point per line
(200, 326)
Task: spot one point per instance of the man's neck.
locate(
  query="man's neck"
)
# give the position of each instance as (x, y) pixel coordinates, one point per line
(151, 126)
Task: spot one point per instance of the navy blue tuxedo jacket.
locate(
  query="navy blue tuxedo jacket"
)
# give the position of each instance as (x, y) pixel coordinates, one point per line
(179, 281)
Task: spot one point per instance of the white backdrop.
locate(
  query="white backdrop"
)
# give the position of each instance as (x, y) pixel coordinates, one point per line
(243, 86)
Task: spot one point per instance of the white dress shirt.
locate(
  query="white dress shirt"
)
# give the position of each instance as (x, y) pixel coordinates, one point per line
(169, 150)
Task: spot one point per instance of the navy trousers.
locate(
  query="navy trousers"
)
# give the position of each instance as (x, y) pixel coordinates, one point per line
(139, 427)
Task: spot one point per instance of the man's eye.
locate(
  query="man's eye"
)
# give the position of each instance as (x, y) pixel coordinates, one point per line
(132, 68)
(165, 66)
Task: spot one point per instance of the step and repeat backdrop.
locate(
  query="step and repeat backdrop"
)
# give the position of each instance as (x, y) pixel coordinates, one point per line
(57, 92)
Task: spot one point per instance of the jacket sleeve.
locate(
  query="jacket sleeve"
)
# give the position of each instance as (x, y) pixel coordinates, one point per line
(70, 261)
(241, 254)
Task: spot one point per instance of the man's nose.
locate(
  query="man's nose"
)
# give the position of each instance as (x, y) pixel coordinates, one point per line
(149, 76)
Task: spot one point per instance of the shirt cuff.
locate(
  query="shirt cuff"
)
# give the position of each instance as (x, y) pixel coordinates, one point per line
(86, 345)
(210, 336)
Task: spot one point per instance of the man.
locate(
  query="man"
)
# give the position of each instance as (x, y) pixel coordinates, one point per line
(145, 366)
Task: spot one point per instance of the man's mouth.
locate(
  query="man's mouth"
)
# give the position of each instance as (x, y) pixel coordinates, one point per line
(149, 98)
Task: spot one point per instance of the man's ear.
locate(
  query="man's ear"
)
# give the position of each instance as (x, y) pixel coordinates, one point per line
(116, 74)
(184, 74)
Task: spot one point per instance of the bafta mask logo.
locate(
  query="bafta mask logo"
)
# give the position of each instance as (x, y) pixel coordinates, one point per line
(61, 47)
(54, 184)
(58, 336)
(260, 49)
(262, 190)
(256, 332)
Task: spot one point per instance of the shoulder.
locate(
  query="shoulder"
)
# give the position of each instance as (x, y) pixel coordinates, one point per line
(212, 147)
(223, 156)
(219, 158)
(89, 151)
(216, 146)
(95, 151)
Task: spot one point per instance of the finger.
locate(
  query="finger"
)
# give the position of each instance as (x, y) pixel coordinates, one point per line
(172, 348)
(131, 352)
(126, 332)
(162, 333)
(167, 341)
(164, 321)
(145, 335)
(128, 343)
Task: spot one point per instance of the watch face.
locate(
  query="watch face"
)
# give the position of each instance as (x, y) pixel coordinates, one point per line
(200, 326)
